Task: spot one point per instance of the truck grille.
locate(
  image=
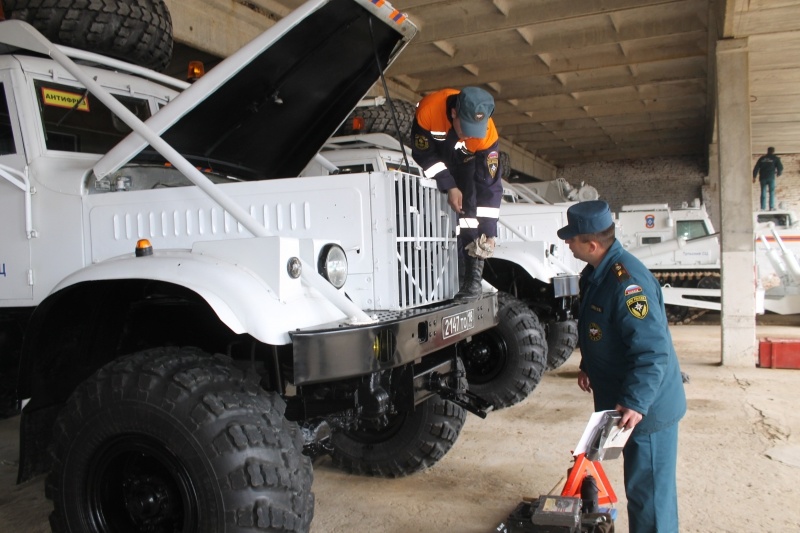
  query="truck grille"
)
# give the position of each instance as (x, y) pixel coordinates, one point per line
(425, 243)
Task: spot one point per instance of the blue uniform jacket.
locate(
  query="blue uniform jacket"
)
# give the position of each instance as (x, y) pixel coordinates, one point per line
(625, 343)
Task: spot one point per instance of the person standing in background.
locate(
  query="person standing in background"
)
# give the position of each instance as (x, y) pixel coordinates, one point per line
(766, 168)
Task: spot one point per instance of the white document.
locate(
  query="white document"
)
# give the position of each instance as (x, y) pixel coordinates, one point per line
(616, 436)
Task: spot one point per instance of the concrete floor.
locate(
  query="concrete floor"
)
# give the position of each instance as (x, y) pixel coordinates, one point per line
(738, 467)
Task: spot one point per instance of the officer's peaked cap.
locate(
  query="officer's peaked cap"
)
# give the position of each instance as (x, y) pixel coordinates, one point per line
(474, 106)
(583, 218)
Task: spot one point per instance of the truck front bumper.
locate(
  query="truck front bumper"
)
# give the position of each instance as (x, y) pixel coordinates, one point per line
(338, 351)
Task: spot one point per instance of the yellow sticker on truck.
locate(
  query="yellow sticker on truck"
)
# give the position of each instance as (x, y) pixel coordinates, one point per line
(56, 98)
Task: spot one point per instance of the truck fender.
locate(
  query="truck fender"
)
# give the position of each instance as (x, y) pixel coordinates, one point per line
(527, 255)
(241, 298)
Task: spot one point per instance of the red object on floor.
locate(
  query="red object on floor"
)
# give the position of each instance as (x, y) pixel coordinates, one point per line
(579, 470)
(779, 353)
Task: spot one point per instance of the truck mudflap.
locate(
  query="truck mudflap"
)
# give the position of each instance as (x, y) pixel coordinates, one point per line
(337, 351)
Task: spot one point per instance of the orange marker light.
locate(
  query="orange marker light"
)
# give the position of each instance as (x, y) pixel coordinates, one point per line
(358, 124)
(143, 248)
(196, 70)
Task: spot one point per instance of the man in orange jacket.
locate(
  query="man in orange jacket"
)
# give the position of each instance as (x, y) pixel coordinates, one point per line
(456, 143)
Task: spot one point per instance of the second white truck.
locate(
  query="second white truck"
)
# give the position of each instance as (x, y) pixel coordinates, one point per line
(532, 268)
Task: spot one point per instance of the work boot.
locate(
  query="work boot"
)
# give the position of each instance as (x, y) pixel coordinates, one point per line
(473, 274)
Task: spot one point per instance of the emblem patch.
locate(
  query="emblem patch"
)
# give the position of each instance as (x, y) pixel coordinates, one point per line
(421, 142)
(620, 272)
(638, 306)
(595, 333)
(493, 162)
(632, 289)
(596, 308)
(650, 221)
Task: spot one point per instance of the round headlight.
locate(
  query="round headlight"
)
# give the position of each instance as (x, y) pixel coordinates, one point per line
(294, 267)
(333, 265)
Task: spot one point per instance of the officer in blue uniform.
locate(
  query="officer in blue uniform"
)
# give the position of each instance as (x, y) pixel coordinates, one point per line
(629, 363)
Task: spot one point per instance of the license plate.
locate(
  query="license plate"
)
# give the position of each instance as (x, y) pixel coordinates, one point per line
(455, 324)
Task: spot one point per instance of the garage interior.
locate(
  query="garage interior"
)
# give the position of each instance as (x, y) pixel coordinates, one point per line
(611, 93)
(626, 95)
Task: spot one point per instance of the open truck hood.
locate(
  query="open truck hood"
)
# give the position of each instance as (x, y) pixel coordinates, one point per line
(266, 110)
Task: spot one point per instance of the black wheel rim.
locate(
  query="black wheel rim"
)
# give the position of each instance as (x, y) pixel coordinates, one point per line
(485, 357)
(136, 485)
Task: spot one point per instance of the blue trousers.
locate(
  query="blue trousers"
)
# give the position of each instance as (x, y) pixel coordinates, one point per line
(767, 183)
(650, 481)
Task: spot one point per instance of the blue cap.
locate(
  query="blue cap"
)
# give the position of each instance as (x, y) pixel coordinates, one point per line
(583, 218)
(474, 106)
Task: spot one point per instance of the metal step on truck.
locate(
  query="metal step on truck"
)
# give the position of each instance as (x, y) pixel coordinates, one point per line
(533, 269)
(193, 322)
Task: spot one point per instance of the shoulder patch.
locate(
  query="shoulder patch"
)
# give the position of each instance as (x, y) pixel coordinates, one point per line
(420, 142)
(632, 289)
(620, 272)
(638, 306)
(493, 162)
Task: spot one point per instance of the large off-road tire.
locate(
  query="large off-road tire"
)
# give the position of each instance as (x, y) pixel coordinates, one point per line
(504, 364)
(413, 441)
(176, 440)
(136, 31)
(505, 165)
(562, 338)
(379, 119)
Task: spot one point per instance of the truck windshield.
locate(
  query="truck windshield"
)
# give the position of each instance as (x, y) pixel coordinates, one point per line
(692, 229)
(75, 121)
(779, 219)
(7, 145)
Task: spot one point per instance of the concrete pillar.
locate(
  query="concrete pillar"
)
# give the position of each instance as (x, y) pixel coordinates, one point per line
(739, 346)
(710, 191)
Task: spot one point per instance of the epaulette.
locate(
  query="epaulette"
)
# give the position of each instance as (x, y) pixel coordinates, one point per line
(620, 272)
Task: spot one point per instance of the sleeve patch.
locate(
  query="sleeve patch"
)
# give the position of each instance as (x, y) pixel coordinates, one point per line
(493, 162)
(421, 142)
(638, 306)
(632, 289)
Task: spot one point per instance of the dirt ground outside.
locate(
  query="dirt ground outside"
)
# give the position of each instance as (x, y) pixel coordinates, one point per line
(738, 465)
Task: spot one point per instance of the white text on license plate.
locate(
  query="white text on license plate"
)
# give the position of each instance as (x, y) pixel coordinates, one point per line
(455, 324)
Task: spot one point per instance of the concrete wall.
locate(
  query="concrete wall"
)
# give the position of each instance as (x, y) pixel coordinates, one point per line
(670, 181)
(644, 181)
(787, 190)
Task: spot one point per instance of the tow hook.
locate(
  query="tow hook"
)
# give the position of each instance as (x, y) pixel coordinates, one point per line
(466, 399)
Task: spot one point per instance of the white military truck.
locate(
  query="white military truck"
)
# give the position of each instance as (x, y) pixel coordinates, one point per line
(681, 248)
(192, 321)
(532, 268)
